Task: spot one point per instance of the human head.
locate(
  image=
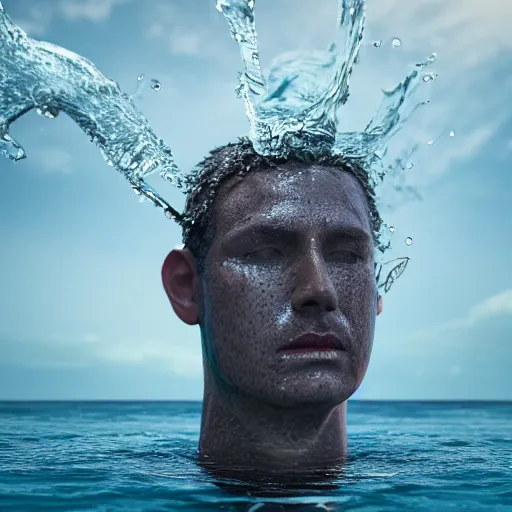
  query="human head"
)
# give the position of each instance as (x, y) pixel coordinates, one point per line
(313, 270)
(240, 159)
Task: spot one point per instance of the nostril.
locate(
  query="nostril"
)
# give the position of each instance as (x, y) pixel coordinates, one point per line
(317, 304)
(310, 303)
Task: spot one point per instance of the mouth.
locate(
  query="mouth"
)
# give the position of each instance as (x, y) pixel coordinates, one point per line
(313, 342)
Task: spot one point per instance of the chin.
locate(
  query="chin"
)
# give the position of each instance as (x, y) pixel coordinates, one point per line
(316, 391)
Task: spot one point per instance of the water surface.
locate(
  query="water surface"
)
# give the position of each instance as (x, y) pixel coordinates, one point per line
(140, 456)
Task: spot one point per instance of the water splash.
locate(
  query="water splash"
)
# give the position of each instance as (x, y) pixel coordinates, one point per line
(294, 109)
(42, 76)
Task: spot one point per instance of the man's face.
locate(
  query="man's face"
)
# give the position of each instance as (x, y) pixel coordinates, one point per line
(292, 254)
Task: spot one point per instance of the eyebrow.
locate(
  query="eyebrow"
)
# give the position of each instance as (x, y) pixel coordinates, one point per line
(262, 231)
(272, 232)
(354, 233)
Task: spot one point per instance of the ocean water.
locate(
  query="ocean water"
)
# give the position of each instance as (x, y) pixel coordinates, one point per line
(140, 456)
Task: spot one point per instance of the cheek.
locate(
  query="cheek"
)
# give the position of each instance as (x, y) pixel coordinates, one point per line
(245, 303)
(355, 285)
(357, 296)
(241, 303)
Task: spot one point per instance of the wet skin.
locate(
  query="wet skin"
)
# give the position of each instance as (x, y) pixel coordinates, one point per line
(292, 253)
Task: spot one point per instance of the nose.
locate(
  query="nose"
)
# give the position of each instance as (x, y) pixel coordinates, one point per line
(314, 290)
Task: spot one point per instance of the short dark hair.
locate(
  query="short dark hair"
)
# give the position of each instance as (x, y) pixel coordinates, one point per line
(240, 158)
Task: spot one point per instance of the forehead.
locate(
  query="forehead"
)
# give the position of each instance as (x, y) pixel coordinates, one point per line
(298, 196)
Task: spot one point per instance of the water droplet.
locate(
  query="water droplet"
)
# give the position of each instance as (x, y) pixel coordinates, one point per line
(432, 58)
(238, 37)
(409, 165)
(155, 85)
(377, 44)
(392, 229)
(168, 175)
(352, 11)
(140, 78)
(396, 42)
(430, 143)
(239, 90)
(250, 4)
(428, 77)
(452, 134)
(10, 148)
(408, 240)
(48, 112)
(169, 214)
(142, 199)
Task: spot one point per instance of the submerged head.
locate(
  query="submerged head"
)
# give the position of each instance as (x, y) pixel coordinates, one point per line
(286, 248)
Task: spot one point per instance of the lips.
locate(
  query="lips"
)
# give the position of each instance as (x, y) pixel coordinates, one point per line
(312, 341)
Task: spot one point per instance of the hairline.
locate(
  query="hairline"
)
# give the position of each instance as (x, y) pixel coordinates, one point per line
(226, 188)
(239, 160)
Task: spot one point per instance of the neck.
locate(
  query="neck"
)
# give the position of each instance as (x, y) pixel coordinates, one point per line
(239, 433)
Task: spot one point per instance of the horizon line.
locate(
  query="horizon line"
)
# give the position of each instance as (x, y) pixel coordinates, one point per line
(169, 400)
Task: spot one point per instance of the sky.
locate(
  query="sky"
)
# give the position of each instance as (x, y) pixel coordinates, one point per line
(84, 314)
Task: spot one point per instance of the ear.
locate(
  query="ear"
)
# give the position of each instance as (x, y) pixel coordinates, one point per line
(379, 305)
(181, 283)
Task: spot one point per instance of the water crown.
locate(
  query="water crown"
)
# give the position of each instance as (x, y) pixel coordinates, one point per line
(292, 110)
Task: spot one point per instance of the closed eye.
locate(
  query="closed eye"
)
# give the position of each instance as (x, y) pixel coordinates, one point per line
(266, 253)
(345, 256)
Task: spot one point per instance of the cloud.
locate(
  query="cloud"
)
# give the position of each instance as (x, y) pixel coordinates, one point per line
(470, 42)
(91, 338)
(92, 10)
(497, 305)
(181, 31)
(183, 359)
(500, 304)
(55, 160)
(469, 33)
(464, 146)
(182, 42)
(36, 21)
(467, 41)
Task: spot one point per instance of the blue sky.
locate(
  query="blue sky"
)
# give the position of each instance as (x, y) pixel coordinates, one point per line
(84, 315)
